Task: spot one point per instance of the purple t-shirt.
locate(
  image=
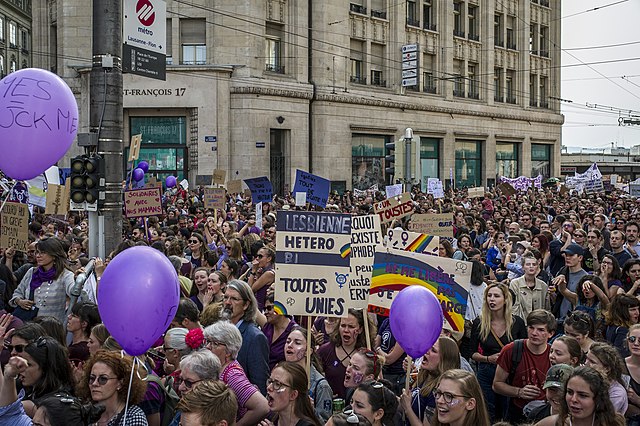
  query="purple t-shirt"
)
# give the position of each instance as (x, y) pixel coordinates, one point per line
(276, 348)
(333, 368)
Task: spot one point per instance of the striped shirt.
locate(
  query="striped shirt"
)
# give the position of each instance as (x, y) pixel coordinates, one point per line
(234, 376)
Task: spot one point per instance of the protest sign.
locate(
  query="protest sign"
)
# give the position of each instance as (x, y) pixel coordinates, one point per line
(215, 198)
(365, 235)
(134, 147)
(38, 191)
(476, 192)
(394, 208)
(522, 183)
(438, 190)
(219, 176)
(261, 189)
(259, 216)
(316, 187)
(301, 199)
(430, 184)
(234, 186)
(15, 226)
(634, 189)
(507, 189)
(412, 241)
(57, 200)
(393, 190)
(312, 263)
(440, 224)
(143, 202)
(448, 279)
(359, 193)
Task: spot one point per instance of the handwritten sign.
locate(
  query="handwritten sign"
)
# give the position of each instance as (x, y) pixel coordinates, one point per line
(440, 224)
(365, 235)
(143, 202)
(312, 263)
(316, 187)
(57, 200)
(393, 190)
(234, 186)
(507, 189)
(219, 176)
(134, 148)
(215, 198)
(448, 279)
(261, 189)
(301, 199)
(14, 230)
(412, 241)
(394, 208)
(476, 192)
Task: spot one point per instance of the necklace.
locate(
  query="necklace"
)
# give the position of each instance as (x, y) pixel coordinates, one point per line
(348, 355)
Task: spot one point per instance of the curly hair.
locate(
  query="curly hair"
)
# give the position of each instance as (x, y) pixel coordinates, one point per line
(121, 366)
(610, 358)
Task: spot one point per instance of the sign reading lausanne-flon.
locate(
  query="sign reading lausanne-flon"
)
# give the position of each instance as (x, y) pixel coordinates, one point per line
(143, 49)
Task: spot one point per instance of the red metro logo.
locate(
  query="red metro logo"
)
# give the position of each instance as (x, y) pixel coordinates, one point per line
(145, 12)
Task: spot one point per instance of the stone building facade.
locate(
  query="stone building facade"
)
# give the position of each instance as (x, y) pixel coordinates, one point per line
(15, 35)
(265, 87)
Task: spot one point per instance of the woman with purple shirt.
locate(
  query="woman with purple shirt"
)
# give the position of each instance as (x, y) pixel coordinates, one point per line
(262, 274)
(277, 328)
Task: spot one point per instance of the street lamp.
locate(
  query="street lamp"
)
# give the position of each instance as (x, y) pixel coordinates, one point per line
(408, 136)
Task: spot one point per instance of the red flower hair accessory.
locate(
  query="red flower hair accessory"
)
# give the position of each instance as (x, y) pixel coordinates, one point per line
(194, 338)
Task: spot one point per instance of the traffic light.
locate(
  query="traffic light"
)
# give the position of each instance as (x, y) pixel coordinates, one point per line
(87, 179)
(390, 160)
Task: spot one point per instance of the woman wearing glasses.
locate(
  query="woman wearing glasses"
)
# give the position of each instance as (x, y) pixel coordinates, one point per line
(106, 381)
(45, 288)
(288, 397)
(376, 402)
(633, 367)
(224, 340)
(198, 247)
(262, 274)
(459, 400)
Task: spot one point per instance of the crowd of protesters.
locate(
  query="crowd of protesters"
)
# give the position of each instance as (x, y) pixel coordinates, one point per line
(551, 334)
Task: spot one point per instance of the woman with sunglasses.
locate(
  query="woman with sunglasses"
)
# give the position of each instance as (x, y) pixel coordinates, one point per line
(623, 312)
(106, 381)
(610, 274)
(198, 249)
(376, 402)
(632, 363)
(224, 340)
(277, 328)
(459, 400)
(262, 274)
(288, 397)
(45, 288)
(295, 350)
(580, 326)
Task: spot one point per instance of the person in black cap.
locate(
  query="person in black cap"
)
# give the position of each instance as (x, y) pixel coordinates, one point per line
(568, 276)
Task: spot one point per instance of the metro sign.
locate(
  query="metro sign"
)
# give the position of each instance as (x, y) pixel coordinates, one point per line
(145, 12)
(144, 38)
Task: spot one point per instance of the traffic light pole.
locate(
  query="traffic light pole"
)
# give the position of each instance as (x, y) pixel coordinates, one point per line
(106, 117)
(408, 137)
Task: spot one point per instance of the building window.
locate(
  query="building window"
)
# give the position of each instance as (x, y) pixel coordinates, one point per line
(510, 87)
(498, 93)
(274, 48)
(24, 41)
(544, 41)
(498, 29)
(412, 14)
(13, 34)
(533, 90)
(540, 160)
(12, 64)
(357, 8)
(1, 28)
(193, 41)
(458, 23)
(472, 78)
(472, 17)
(1, 66)
(506, 159)
(429, 160)
(367, 160)
(428, 23)
(377, 62)
(468, 163)
(458, 79)
(357, 62)
(544, 101)
(169, 43)
(533, 39)
(376, 78)
(511, 32)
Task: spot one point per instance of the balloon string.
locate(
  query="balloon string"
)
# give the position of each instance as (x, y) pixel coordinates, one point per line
(8, 195)
(126, 407)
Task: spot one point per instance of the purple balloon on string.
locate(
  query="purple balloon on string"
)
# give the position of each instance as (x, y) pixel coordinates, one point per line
(144, 166)
(137, 308)
(38, 122)
(138, 174)
(171, 181)
(416, 320)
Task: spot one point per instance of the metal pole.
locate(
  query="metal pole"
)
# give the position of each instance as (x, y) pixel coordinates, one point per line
(106, 116)
(408, 136)
(94, 234)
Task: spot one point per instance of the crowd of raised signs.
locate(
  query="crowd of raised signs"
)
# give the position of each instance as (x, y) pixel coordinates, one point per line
(551, 333)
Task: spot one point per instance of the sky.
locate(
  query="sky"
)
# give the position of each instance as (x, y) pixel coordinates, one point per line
(615, 22)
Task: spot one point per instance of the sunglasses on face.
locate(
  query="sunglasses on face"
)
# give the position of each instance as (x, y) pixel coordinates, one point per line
(18, 348)
(102, 379)
(187, 383)
(633, 339)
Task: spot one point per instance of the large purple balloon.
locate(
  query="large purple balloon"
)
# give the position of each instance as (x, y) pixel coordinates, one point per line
(138, 174)
(138, 297)
(171, 181)
(144, 166)
(38, 122)
(416, 320)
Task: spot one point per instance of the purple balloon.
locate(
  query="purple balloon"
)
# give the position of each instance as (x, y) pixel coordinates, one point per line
(138, 297)
(138, 174)
(38, 122)
(416, 320)
(144, 166)
(171, 181)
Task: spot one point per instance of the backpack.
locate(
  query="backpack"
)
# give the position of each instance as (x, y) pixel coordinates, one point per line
(516, 357)
(171, 398)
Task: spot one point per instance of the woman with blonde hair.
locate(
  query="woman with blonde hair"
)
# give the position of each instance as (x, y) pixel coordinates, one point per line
(459, 400)
(496, 327)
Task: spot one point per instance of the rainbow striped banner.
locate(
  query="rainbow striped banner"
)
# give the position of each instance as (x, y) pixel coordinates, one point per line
(448, 279)
(413, 241)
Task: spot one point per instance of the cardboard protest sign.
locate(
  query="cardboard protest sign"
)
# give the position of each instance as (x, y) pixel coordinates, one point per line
(393, 190)
(219, 176)
(261, 189)
(316, 187)
(134, 148)
(312, 263)
(440, 224)
(394, 208)
(476, 192)
(143, 202)
(448, 279)
(215, 198)
(507, 189)
(57, 200)
(14, 231)
(365, 236)
(234, 186)
(412, 241)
